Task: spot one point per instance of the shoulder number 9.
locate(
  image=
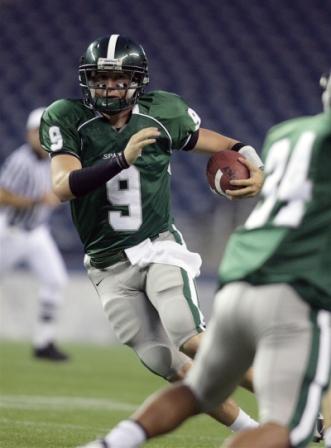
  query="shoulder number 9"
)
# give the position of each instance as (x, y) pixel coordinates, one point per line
(195, 118)
(56, 138)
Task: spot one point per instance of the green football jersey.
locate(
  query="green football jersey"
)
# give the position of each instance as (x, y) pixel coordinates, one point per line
(135, 204)
(287, 237)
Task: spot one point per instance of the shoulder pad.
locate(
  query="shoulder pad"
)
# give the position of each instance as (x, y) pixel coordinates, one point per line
(68, 111)
(162, 105)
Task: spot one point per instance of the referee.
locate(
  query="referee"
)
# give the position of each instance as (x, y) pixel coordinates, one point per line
(26, 201)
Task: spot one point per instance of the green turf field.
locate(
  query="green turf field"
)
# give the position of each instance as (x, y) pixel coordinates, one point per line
(44, 405)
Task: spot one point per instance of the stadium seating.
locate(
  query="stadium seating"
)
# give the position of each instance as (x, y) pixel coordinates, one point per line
(243, 66)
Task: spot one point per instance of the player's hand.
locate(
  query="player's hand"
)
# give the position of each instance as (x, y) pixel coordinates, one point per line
(138, 141)
(49, 199)
(251, 186)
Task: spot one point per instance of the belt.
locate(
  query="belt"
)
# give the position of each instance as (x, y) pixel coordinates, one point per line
(109, 260)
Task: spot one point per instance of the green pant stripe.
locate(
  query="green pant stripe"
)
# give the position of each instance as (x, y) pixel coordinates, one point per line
(176, 235)
(197, 317)
(310, 393)
(199, 325)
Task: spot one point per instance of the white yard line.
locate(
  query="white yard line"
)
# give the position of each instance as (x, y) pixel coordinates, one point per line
(40, 424)
(36, 402)
(62, 402)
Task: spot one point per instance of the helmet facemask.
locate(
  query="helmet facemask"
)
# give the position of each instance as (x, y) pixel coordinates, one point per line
(97, 95)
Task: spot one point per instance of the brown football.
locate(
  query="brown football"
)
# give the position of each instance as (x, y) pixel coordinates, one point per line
(223, 167)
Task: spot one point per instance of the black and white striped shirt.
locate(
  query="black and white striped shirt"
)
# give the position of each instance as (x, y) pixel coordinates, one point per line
(24, 174)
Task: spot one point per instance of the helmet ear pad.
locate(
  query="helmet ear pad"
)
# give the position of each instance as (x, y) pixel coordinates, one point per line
(127, 57)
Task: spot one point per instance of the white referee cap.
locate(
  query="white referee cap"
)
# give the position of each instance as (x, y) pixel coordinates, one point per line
(33, 121)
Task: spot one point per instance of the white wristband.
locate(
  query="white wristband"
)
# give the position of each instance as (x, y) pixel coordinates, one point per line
(251, 155)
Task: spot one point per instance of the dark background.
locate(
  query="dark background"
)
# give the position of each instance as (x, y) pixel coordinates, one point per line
(242, 65)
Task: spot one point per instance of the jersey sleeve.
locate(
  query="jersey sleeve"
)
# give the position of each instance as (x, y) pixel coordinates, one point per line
(58, 129)
(181, 122)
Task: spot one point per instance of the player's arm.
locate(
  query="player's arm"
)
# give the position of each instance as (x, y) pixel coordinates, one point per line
(210, 142)
(70, 180)
(62, 166)
(8, 198)
(15, 200)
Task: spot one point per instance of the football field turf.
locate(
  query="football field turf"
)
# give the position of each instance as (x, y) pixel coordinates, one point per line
(46, 405)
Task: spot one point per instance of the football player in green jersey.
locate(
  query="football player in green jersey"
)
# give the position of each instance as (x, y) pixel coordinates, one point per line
(110, 157)
(274, 309)
(325, 82)
(327, 416)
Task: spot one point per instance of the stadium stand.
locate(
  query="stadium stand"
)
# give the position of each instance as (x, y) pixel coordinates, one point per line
(242, 65)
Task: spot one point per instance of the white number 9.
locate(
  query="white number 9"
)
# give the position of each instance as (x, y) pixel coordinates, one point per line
(130, 196)
(195, 118)
(56, 138)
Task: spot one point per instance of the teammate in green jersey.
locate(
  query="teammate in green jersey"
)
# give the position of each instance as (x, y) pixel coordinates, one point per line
(110, 157)
(326, 404)
(273, 311)
(327, 416)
